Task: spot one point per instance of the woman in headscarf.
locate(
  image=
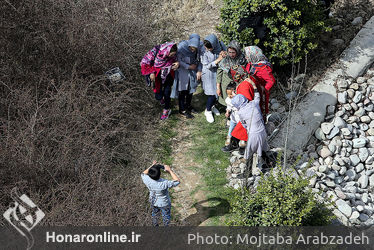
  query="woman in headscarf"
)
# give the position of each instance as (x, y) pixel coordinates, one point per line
(158, 66)
(234, 57)
(188, 74)
(212, 55)
(251, 117)
(261, 70)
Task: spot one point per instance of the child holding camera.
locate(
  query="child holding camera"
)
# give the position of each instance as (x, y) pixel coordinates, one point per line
(159, 191)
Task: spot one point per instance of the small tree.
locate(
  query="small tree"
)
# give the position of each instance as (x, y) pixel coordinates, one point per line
(281, 200)
(292, 26)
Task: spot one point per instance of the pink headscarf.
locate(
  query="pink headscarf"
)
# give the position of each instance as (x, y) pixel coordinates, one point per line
(162, 60)
(158, 56)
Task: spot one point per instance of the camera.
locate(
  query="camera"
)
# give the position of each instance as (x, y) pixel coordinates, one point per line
(159, 166)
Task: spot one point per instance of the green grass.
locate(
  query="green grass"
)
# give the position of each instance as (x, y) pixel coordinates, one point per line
(207, 142)
(163, 147)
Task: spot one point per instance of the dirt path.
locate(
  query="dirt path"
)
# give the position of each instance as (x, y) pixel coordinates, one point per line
(189, 201)
(188, 193)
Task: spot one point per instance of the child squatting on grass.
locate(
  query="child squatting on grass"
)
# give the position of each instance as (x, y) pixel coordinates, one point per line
(159, 191)
(231, 143)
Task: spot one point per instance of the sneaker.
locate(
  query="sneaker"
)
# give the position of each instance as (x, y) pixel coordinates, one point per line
(165, 114)
(216, 111)
(209, 116)
(187, 114)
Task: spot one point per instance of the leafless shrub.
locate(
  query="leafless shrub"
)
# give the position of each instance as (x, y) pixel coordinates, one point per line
(70, 139)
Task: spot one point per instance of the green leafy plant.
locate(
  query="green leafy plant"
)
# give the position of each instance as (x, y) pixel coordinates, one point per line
(292, 26)
(281, 199)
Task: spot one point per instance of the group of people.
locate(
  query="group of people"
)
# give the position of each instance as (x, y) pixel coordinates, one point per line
(239, 80)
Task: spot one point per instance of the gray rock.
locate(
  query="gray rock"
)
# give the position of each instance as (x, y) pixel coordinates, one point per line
(351, 189)
(332, 147)
(339, 122)
(336, 167)
(340, 113)
(333, 133)
(360, 208)
(340, 160)
(354, 160)
(351, 93)
(330, 109)
(359, 167)
(371, 180)
(337, 42)
(364, 127)
(233, 159)
(354, 215)
(357, 21)
(363, 181)
(363, 154)
(365, 197)
(360, 112)
(351, 174)
(369, 108)
(330, 183)
(344, 207)
(363, 217)
(370, 132)
(310, 172)
(275, 106)
(342, 84)
(369, 160)
(365, 119)
(352, 119)
(312, 181)
(328, 160)
(336, 27)
(361, 80)
(331, 175)
(354, 86)
(345, 131)
(354, 106)
(343, 170)
(357, 98)
(291, 95)
(359, 142)
(326, 127)
(369, 222)
(340, 194)
(342, 97)
(339, 180)
(323, 169)
(319, 134)
(324, 152)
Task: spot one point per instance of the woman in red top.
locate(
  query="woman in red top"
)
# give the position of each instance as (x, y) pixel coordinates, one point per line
(158, 66)
(259, 71)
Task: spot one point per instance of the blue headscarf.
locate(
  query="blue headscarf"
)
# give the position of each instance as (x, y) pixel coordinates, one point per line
(183, 47)
(239, 101)
(217, 45)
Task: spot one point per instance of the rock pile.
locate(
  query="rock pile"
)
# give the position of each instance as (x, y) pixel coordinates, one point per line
(344, 168)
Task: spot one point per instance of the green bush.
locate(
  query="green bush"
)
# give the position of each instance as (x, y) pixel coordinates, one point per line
(292, 26)
(280, 200)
